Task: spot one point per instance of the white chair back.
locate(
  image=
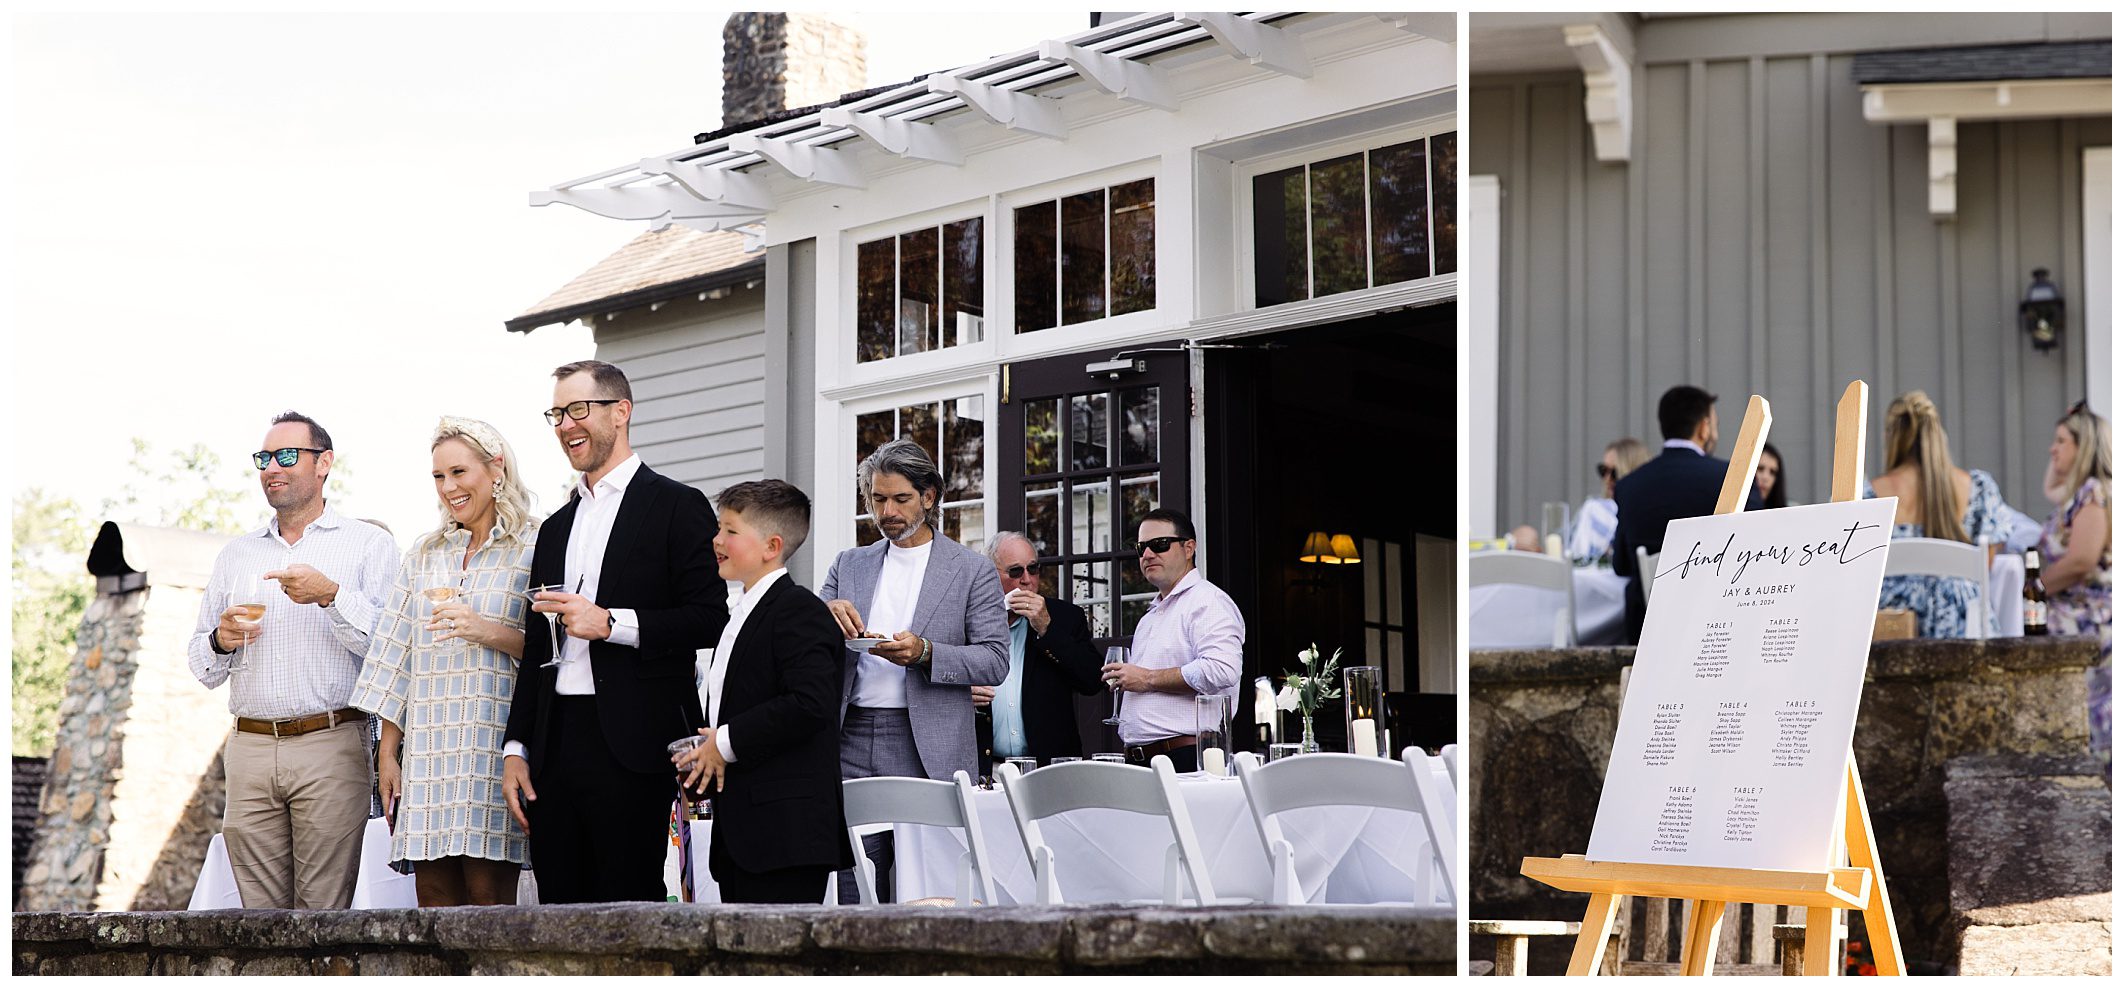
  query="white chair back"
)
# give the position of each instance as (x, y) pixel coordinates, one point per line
(896, 799)
(1647, 568)
(1410, 785)
(1531, 569)
(1154, 791)
(1450, 755)
(1946, 557)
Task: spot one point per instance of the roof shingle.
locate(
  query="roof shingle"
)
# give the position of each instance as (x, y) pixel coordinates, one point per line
(656, 265)
(2057, 60)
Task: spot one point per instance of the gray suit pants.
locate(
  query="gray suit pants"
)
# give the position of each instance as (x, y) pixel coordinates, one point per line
(876, 741)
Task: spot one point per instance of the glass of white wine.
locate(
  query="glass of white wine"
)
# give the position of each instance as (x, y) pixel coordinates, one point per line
(438, 583)
(248, 597)
(1114, 654)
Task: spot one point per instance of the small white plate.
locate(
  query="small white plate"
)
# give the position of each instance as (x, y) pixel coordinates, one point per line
(865, 644)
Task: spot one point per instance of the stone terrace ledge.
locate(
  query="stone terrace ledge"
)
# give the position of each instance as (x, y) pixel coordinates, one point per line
(672, 938)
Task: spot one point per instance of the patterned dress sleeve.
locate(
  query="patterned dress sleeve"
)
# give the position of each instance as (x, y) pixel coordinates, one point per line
(1990, 520)
(386, 681)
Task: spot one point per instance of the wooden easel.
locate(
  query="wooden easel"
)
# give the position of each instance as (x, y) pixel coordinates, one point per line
(1708, 890)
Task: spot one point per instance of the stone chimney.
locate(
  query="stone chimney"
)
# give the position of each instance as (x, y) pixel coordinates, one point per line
(777, 61)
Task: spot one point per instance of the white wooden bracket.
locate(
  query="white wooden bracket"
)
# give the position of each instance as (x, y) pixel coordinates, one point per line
(1122, 77)
(656, 203)
(1940, 165)
(803, 161)
(1254, 43)
(1438, 27)
(723, 185)
(1003, 107)
(1608, 74)
(904, 138)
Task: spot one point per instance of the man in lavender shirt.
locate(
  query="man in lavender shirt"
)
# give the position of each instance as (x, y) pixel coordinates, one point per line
(1187, 644)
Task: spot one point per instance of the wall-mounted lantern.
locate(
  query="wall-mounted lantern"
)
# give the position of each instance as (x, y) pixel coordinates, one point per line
(2043, 312)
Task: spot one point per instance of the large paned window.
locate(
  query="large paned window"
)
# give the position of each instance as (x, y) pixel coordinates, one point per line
(919, 291)
(1356, 221)
(1084, 257)
(953, 432)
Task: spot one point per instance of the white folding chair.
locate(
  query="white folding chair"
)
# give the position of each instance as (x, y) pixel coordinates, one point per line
(1328, 779)
(1946, 557)
(1647, 568)
(1531, 569)
(865, 803)
(1450, 755)
(1153, 791)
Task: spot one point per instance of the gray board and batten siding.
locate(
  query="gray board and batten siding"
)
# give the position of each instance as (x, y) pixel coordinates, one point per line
(699, 373)
(1765, 238)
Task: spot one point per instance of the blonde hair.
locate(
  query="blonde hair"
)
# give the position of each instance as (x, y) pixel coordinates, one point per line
(1916, 437)
(512, 504)
(2090, 433)
(1629, 455)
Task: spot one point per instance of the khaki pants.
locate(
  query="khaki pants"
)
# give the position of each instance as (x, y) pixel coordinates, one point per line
(296, 811)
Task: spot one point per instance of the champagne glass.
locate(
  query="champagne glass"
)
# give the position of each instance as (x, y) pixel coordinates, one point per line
(249, 599)
(1116, 653)
(552, 624)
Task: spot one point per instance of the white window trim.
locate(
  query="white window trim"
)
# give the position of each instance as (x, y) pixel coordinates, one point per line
(1013, 346)
(1244, 173)
(854, 373)
(835, 503)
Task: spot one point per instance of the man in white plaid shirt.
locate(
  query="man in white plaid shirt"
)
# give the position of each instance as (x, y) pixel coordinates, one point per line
(298, 761)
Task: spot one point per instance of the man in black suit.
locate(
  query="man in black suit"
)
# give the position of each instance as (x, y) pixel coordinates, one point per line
(1682, 482)
(773, 756)
(1051, 656)
(585, 770)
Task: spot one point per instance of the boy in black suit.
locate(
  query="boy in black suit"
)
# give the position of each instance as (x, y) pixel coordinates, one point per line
(773, 754)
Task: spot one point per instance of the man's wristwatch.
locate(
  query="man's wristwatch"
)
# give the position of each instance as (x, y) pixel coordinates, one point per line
(924, 660)
(214, 642)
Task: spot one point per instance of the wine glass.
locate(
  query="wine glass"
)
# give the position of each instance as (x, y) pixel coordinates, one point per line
(1116, 653)
(438, 583)
(552, 622)
(248, 596)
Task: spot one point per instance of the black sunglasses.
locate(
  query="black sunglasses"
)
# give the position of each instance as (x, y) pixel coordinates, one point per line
(577, 410)
(1605, 471)
(1018, 572)
(1157, 545)
(287, 457)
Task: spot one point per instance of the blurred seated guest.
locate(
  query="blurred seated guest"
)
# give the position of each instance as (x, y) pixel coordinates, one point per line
(1593, 531)
(1187, 644)
(1683, 481)
(2075, 548)
(1030, 714)
(1935, 500)
(1770, 477)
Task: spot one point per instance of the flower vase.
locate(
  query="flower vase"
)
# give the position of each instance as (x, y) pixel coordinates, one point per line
(1308, 744)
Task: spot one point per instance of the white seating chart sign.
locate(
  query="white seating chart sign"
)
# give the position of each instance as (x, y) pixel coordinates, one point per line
(1733, 738)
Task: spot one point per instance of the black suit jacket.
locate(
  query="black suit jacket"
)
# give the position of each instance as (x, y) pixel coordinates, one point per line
(1057, 664)
(781, 801)
(659, 561)
(1678, 483)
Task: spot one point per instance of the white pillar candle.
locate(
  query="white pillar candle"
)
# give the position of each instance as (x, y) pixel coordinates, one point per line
(1364, 737)
(1213, 761)
(1554, 544)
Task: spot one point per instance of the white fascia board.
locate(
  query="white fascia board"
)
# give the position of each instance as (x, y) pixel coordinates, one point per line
(1443, 26)
(2005, 99)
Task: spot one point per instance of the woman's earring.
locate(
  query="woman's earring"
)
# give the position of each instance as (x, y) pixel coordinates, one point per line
(497, 488)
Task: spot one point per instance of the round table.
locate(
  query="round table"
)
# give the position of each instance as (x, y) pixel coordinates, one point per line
(1506, 615)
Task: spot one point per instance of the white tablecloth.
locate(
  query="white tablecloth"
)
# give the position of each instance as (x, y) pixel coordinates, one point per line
(375, 887)
(2007, 572)
(1345, 854)
(1504, 615)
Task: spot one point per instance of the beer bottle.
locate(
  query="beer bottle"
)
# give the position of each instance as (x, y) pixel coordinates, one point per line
(2035, 613)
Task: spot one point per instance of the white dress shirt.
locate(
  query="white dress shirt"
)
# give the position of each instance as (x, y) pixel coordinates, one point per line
(1688, 444)
(1197, 629)
(719, 667)
(595, 509)
(880, 682)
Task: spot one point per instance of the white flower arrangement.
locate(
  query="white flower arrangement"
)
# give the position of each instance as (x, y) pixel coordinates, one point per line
(1306, 691)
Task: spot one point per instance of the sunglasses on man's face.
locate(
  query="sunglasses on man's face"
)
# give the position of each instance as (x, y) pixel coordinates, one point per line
(287, 457)
(1158, 545)
(1018, 572)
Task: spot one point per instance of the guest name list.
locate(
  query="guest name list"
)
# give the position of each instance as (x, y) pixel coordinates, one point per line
(1731, 747)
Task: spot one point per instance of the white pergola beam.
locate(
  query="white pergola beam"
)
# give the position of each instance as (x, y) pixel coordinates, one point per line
(655, 203)
(1125, 78)
(1940, 165)
(1608, 76)
(722, 185)
(903, 138)
(1005, 108)
(1436, 26)
(1253, 42)
(803, 161)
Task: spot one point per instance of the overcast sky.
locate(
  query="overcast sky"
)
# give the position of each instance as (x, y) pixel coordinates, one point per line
(218, 216)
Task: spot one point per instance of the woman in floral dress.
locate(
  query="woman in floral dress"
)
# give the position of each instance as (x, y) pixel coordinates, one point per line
(439, 676)
(1936, 500)
(2075, 548)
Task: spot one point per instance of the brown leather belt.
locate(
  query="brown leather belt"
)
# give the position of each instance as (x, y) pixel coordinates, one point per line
(295, 727)
(1141, 753)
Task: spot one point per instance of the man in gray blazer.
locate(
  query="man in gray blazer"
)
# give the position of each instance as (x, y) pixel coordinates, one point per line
(906, 704)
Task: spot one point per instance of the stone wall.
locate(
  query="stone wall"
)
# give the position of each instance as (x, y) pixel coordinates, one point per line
(673, 938)
(2030, 872)
(779, 61)
(1541, 723)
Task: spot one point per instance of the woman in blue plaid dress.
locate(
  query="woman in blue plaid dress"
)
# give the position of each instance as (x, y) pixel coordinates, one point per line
(439, 676)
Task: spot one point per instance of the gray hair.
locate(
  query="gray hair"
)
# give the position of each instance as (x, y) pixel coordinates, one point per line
(904, 458)
(997, 541)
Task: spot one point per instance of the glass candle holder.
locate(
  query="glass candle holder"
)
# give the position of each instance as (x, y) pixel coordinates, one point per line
(1213, 733)
(1364, 711)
